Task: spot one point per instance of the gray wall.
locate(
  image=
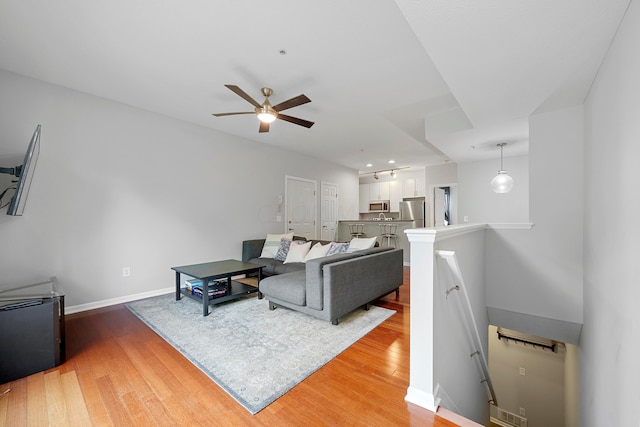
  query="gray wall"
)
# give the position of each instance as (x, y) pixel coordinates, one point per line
(610, 341)
(116, 186)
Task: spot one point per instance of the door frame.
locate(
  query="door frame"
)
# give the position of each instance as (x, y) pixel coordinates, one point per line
(453, 205)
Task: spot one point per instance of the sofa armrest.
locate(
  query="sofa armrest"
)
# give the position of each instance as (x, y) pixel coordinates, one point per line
(351, 283)
(252, 249)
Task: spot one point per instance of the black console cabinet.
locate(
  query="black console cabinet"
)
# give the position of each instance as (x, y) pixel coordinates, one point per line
(32, 335)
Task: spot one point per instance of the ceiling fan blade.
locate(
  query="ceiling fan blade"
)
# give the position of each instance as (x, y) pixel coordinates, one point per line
(295, 120)
(264, 127)
(244, 95)
(232, 114)
(290, 103)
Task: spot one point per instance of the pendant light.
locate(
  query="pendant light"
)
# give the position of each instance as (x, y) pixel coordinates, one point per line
(502, 183)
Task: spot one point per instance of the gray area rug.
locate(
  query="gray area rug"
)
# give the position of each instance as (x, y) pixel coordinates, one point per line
(254, 354)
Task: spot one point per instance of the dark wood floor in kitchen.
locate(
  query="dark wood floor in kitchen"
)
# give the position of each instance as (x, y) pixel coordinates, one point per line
(120, 373)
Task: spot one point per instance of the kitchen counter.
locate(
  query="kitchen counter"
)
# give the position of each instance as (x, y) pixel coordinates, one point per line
(372, 228)
(375, 220)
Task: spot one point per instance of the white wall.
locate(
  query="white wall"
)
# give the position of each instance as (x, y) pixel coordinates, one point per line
(610, 343)
(441, 174)
(116, 186)
(539, 271)
(481, 204)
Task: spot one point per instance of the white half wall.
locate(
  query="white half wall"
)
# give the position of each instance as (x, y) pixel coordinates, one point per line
(443, 372)
(118, 187)
(610, 343)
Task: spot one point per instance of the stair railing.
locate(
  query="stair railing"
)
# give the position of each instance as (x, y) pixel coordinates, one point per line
(470, 321)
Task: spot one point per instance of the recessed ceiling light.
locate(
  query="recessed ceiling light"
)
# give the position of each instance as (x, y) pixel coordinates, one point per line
(369, 165)
(392, 161)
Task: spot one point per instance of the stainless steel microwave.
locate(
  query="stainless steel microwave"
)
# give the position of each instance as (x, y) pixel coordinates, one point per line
(379, 206)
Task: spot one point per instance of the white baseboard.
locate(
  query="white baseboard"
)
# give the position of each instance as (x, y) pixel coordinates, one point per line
(422, 398)
(118, 300)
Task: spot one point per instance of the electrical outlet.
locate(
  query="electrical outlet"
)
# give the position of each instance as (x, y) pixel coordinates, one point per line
(522, 412)
(522, 371)
(466, 218)
(126, 271)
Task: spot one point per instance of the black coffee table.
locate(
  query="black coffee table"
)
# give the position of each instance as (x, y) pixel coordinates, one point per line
(209, 271)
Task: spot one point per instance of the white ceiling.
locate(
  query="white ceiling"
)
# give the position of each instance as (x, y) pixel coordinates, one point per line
(419, 81)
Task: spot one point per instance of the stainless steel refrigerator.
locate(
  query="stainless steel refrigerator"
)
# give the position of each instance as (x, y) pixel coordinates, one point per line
(414, 210)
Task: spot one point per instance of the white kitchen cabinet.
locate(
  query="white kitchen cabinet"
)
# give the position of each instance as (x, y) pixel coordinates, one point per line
(414, 187)
(379, 191)
(364, 198)
(395, 195)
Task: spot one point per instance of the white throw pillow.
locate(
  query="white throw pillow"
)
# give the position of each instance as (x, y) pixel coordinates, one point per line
(359, 243)
(297, 252)
(272, 244)
(317, 251)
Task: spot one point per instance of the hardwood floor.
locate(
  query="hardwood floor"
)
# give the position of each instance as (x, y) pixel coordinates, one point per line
(120, 373)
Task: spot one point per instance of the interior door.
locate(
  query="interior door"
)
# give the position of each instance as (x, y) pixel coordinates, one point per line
(301, 211)
(438, 204)
(328, 211)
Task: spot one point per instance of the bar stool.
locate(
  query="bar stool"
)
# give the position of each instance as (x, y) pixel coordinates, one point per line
(388, 232)
(356, 230)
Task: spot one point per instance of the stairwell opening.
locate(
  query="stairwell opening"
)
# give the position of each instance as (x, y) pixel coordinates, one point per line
(535, 380)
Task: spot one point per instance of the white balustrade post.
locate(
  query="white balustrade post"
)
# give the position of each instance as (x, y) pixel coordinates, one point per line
(422, 390)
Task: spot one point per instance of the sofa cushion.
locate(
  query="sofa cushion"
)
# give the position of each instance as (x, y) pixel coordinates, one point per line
(272, 244)
(317, 251)
(282, 268)
(337, 248)
(269, 265)
(297, 252)
(288, 287)
(283, 250)
(359, 243)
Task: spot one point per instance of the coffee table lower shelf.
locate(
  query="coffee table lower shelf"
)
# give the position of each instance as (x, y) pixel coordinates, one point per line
(214, 271)
(237, 290)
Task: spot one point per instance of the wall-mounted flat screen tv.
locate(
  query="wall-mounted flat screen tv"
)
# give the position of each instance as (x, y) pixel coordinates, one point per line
(24, 173)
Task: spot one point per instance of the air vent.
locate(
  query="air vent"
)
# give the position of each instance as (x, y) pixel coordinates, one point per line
(506, 418)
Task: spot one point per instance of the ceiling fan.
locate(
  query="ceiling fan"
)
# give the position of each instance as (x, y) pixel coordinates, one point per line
(266, 112)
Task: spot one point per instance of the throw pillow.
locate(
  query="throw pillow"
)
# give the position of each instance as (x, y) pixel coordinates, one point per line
(283, 250)
(297, 252)
(318, 251)
(337, 248)
(359, 243)
(272, 244)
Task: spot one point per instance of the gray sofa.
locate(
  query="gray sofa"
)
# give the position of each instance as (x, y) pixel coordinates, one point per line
(251, 250)
(329, 287)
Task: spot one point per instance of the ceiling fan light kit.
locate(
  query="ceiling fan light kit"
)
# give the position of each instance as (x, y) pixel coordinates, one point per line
(502, 183)
(267, 113)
